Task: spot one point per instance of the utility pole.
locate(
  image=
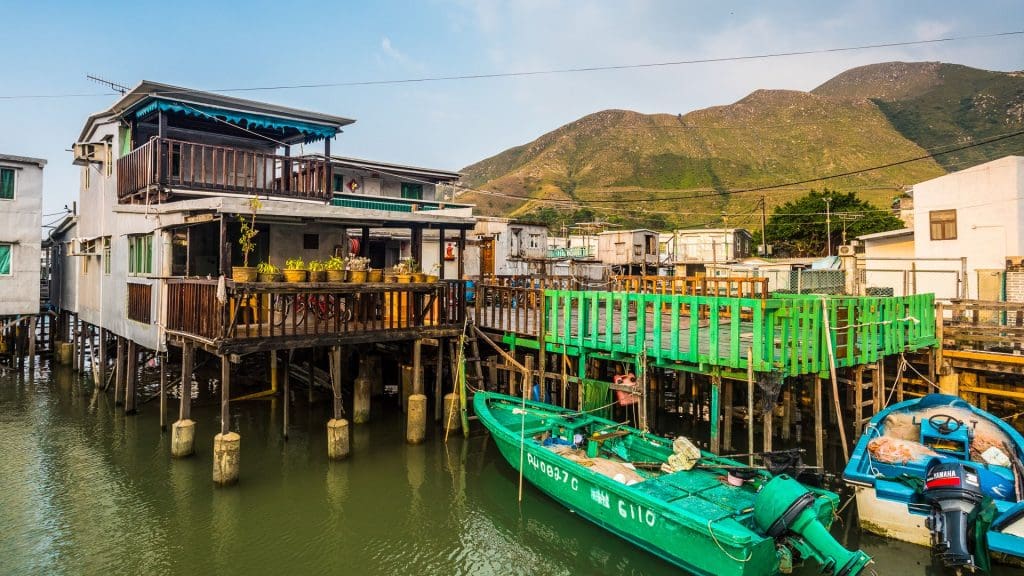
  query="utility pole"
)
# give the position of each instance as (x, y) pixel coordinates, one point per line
(764, 228)
(828, 225)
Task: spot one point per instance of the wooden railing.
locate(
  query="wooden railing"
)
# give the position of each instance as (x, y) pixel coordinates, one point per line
(508, 308)
(532, 281)
(315, 313)
(732, 287)
(983, 326)
(166, 163)
(786, 335)
(140, 302)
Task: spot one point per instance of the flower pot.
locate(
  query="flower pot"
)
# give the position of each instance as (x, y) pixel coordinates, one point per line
(243, 273)
(317, 275)
(431, 278)
(419, 277)
(270, 277)
(375, 275)
(335, 275)
(403, 278)
(357, 276)
(294, 275)
(390, 278)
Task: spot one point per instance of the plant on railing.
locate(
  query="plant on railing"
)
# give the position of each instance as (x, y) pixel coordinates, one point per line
(357, 269)
(294, 270)
(317, 271)
(268, 272)
(334, 263)
(434, 271)
(247, 242)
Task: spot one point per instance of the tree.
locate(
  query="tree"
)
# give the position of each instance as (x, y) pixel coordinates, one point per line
(798, 227)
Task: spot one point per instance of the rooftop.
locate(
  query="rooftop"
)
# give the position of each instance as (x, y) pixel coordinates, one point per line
(22, 160)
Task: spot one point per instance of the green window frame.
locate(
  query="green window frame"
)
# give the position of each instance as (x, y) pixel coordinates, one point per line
(339, 182)
(6, 255)
(106, 255)
(7, 182)
(412, 191)
(140, 255)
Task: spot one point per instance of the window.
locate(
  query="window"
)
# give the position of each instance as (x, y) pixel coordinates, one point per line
(6, 252)
(534, 240)
(310, 241)
(412, 191)
(943, 224)
(140, 254)
(339, 182)
(6, 183)
(637, 250)
(106, 255)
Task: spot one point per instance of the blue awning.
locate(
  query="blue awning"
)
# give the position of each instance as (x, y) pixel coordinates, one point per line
(248, 120)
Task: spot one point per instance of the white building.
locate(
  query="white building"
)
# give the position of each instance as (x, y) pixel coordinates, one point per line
(506, 247)
(966, 225)
(630, 251)
(21, 210)
(692, 250)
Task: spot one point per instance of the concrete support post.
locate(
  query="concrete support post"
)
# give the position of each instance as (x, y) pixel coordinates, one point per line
(416, 424)
(337, 439)
(183, 432)
(452, 419)
(227, 444)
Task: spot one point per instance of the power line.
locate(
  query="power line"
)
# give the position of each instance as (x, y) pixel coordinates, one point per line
(548, 72)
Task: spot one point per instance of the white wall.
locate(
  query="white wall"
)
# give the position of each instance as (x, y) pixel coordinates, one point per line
(20, 225)
(987, 199)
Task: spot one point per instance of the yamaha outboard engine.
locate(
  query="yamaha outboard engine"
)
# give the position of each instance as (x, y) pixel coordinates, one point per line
(954, 491)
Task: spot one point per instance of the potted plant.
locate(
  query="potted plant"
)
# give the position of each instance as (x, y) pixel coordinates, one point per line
(432, 277)
(357, 269)
(375, 275)
(317, 273)
(246, 236)
(335, 268)
(417, 272)
(294, 270)
(402, 272)
(268, 272)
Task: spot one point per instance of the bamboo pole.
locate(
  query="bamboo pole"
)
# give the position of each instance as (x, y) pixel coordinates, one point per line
(835, 382)
(750, 404)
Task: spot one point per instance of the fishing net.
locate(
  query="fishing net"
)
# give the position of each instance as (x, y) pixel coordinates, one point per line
(770, 384)
(905, 426)
(898, 451)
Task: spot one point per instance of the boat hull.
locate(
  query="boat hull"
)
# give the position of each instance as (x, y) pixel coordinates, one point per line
(889, 518)
(640, 522)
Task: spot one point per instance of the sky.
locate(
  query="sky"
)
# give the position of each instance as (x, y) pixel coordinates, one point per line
(52, 46)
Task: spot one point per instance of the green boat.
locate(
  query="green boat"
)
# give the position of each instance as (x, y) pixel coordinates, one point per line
(706, 514)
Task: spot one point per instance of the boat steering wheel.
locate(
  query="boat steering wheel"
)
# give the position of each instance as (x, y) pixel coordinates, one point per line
(945, 423)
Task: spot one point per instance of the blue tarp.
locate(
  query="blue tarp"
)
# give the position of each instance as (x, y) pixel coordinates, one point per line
(245, 119)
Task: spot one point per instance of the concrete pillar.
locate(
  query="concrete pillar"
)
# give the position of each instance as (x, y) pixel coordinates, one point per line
(416, 423)
(363, 389)
(226, 458)
(337, 439)
(65, 353)
(183, 439)
(452, 419)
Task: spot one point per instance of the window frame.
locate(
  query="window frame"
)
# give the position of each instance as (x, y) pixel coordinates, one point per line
(146, 242)
(14, 183)
(10, 259)
(940, 219)
(413, 188)
(106, 256)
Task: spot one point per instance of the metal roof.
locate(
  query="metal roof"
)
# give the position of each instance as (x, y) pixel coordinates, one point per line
(22, 160)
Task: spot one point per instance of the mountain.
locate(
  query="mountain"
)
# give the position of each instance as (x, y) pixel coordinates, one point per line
(863, 117)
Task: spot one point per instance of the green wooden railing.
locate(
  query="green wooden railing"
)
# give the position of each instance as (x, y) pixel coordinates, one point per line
(784, 334)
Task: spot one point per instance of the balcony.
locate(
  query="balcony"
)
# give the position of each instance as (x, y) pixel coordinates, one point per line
(259, 317)
(163, 165)
(391, 204)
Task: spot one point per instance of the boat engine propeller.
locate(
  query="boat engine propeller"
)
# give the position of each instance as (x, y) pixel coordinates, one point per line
(786, 510)
(954, 490)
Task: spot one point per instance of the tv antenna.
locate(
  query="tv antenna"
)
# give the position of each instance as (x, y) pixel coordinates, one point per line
(120, 88)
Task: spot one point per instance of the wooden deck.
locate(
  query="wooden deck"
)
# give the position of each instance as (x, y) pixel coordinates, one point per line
(784, 335)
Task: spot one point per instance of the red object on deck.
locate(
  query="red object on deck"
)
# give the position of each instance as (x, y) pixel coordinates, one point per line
(625, 398)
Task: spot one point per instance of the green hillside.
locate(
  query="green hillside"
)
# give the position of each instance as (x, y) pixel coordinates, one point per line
(863, 117)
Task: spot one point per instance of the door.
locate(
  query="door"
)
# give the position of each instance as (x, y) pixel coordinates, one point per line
(486, 257)
(990, 289)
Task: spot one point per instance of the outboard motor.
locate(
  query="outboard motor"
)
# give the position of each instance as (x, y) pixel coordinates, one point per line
(954, 491)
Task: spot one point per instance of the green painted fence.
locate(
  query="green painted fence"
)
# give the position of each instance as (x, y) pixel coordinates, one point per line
(783, 334)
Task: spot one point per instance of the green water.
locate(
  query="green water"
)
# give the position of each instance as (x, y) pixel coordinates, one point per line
(85, 489)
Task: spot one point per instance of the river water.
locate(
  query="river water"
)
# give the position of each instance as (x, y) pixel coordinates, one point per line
(85, 489)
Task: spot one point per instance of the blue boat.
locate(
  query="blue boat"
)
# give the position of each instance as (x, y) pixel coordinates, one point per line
(939, 472)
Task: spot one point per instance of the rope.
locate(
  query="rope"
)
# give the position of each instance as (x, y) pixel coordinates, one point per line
(724, 551)
(922, 376)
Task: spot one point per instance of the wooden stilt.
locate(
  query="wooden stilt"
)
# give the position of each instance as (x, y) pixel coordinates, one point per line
(102, 358)
(163, 392)
(131, 375)
(787, 412)
(185, 407)
(310, 378)
(225, 395)
(438, 377)
(336, 379)
(32, 340)
(417, 367)
(715, 414)
(727, 401)
(286, 385)
(750, 405)
(119, 373)
(768, 420)
(819, 426)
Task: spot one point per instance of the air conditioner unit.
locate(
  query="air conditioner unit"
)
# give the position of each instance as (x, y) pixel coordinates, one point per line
(90, 153)
(846, 250)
